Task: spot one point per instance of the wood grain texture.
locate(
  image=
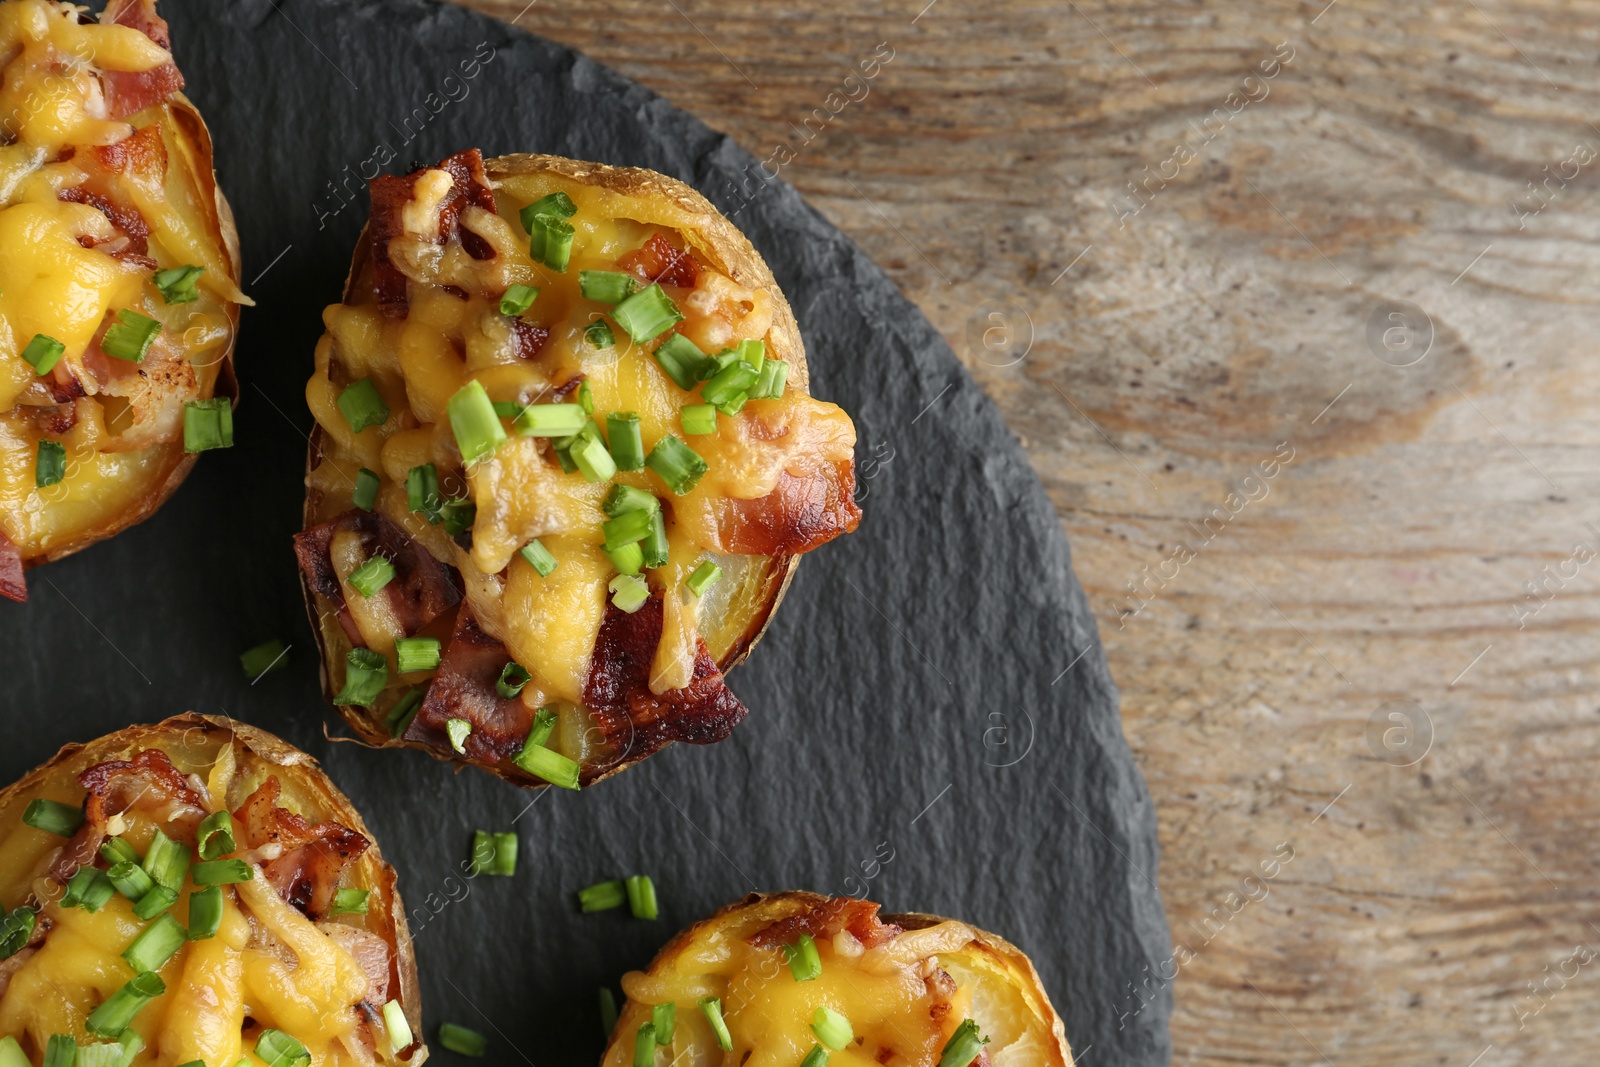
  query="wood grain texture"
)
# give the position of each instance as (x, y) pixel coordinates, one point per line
(1156, 358)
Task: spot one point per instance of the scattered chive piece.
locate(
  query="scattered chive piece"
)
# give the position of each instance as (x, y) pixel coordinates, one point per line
(769, 385)
(131, 880)
(473, 421)
(277, 1049)
(607, 286)
(205, 912)
(15, 929)
(362, 405)
(647, 314)
(642, 897)
(507, 409)
(460, 1040)
(804, 963)
(817, 1057)
(552, 766)
(458, 731)
(43, 353)
(593, 460)
(538, 557)
(417, 653)
(623, 498)
(394, 1021)
(177, 284)
(550, 420)
(598, 334)
(215, 838)
(712, 1006)
(494, 853)
(116, 850)
(166, 861)
(422, 492)
(131, 1045)
(831, 1028)
(644, 1046)
(586, 397)
(608, 1011)
(117, 1011)
(517, 299)
(627, 445)
(155, 945)
(703, 577)
(551, 241)
(405, 709)
(753, 353)
(50, 465)
(664, 1017)
(365, 493)
(628, 559)
(678, 465)
(725, 385)
(963, 1046)
(698, 419)
(11, 1054)
(221, 872)
(155, 902)
(654, 546)
(371, 576)
(603, 896)
(682, 359)
(54, 817)
(458, 516)
(365, 674)
(544, 724)
(208, 424)
(130, 336)
(627, 528)
(89, 889)
(732, 407)
(60, 1051)
(557, 203)
(261, 659)
(351, 902)
(513, 676)
(628, 591)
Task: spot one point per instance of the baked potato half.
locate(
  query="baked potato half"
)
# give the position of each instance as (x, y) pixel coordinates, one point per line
(119, 272)
(197, 891)
(795, 978)
(564, 466)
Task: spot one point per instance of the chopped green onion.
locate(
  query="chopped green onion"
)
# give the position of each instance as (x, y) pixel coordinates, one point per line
(654, 546)
(394, 1021)
(177, 284)
(43, 353)
(628, 591)
(557, 203)
(703, 577)
(682, 359)
(698, 419)
(365, 674)
(54, 817)
(155, 945)
(712, 1006)
(593, 460)
(598, 334)
(131, 880)
(628, 559)
(551, 242)
(458, 516)
(552, 766)
(60, 1051)
(804, 962)
(460, 1040)
(603, 896)
(769, 385)
(550, 420)
(155, 902)
(627, 528)
(644, 1046)
(130, 336)
(458, 730)
(732, 407)
(11, 1054)
(544, 724)
(417, 653)
(422, 492)
(678, 465)
(817, 1057)
(647, 314)
(517, 299)
(221, 872)
(831, 1028)
(261, 659)
(132, 1044)
(89, 889)
(205, 912)
(627, 445)
(729, 382)
(215, 837)
(117, 1011)
(277, 1049)
(621, 499)
(405, 709)
(963, 1046)
(664, 1017)
(608, 1011)
(753, 353)
(365, 493)
(473, 421)
(50, 465)
(493, 853)
(586, 397)
(371, 576)
(507, 409)
(362, 405)
(351, 902)
(15, 929)
(118, 1053)
(207, 424)
(116, 850)
(538, 557)
(166, 861)
(513, 676)
(607, 286)
(642, 896)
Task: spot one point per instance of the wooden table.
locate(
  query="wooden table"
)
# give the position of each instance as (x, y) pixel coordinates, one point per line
(1191, 223)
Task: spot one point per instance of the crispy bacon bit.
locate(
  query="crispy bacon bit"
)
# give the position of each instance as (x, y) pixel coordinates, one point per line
(636, 721)
(529, 338)
(797, 516)
(860, 917)
(149, 783)
(140, 155)
(13, 586)
(391, 193)
(464, 689)
(422, 589)
(659, 260)
(129, 91)
(314, 857)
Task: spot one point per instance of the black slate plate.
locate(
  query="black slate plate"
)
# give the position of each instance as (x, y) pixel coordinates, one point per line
(933, 688)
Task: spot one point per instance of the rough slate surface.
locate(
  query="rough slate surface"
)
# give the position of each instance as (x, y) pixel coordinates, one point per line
(909, 700)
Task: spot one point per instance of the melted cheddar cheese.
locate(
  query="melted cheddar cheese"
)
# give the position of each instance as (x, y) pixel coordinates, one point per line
(65, 272)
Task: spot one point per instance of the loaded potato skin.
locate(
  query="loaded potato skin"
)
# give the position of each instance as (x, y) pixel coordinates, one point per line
(119, 269)
(564, 465)
(788, 978)
(197, 890)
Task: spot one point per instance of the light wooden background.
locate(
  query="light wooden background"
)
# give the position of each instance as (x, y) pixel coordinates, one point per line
(1148, 376)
